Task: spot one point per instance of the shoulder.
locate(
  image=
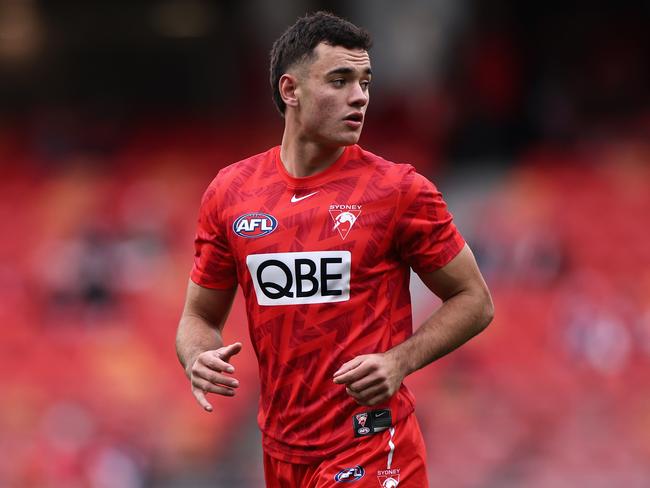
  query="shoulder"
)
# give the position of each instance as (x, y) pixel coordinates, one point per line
(401, 175)
(245, 167)
(236, 173)
(411, 189)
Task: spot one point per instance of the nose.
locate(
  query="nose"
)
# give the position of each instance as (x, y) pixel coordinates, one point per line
(359, 96)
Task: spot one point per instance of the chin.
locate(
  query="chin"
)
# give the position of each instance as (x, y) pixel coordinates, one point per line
(349, 139)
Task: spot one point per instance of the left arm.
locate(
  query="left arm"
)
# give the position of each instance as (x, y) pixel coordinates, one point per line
(466, 310)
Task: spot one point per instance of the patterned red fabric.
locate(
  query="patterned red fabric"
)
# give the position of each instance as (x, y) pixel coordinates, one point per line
(323, 262)
(385, 460)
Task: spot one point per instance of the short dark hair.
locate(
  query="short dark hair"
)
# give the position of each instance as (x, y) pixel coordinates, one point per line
(299, 41)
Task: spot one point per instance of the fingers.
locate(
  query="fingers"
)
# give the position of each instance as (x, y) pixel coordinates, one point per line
(370, 379)
(209, 374)
(227, 352)
(353, 371)
(217, 383)
(207, 387)
(213, 361)
(200, 397)
(365, 382)
(211, 368)
(199, 394)
(378, 393)
(370, 399)
(353, 363)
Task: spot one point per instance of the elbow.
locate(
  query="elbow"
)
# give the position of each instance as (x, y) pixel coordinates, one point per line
(486, 311)
(483, 309)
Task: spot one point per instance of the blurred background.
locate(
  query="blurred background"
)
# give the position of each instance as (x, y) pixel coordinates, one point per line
(533, 118)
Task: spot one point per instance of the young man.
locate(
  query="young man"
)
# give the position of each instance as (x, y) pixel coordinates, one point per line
(320, 235)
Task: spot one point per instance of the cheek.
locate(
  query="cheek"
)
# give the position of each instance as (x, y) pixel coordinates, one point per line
(326, 106)
(319, 111)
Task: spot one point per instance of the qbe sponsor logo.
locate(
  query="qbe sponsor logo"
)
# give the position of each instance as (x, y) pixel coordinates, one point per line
(350, 474)
(296, 278)
(254, 224)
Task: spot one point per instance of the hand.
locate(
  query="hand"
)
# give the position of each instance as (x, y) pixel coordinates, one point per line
(206, 374)
(370, 379)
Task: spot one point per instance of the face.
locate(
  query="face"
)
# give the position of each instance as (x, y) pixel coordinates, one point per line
(332, 94)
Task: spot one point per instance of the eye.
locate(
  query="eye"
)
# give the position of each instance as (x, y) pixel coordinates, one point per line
(365, 84)
(339, 82)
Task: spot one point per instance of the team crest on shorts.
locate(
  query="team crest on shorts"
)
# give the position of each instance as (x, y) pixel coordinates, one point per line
(344, 217)
(388, 478)
(361, 423)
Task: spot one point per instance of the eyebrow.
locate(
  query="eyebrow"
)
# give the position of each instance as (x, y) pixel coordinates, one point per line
(346, 71)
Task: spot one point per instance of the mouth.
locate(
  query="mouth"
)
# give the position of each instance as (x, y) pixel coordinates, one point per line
(354, 120)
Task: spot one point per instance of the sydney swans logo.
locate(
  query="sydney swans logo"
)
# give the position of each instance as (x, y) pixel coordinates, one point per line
(344, 217)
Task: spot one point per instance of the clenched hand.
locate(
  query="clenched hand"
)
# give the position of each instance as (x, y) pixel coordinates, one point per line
(207, 374)
(370, 379)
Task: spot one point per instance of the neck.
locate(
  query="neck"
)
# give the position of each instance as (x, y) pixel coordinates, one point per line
(302, 158)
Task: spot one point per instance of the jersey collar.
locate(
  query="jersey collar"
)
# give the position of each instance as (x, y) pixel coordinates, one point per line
(316, 179)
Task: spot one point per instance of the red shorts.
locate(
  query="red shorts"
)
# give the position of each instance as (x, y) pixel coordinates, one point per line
(390, 458)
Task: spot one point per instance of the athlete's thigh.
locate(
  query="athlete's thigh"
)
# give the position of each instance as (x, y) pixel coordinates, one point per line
(395, 457)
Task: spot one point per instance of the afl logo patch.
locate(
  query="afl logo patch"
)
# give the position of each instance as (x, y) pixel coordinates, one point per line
(254, 225)
(350, 474)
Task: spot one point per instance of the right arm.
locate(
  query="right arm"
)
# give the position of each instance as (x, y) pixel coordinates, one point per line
(199, 344)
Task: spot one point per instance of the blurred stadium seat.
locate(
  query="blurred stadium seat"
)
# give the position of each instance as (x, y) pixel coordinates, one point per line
(114, 119)
(88, 372)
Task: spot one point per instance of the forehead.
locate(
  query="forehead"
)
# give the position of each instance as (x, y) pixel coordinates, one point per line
(333, 57)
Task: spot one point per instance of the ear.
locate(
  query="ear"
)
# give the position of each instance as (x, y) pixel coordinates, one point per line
(288, 87)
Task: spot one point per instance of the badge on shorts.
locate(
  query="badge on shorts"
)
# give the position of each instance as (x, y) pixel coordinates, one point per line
(372, 422)
(388, 478)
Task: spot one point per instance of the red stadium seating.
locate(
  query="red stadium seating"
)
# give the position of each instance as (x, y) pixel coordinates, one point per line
(88, 369)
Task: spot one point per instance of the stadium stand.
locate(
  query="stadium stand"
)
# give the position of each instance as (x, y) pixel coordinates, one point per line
(94, 263)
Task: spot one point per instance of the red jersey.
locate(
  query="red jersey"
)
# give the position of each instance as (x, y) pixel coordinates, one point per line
(323, 263)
